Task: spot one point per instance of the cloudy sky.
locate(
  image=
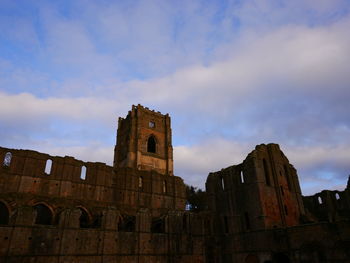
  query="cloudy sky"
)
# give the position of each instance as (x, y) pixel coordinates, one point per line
(232, 74)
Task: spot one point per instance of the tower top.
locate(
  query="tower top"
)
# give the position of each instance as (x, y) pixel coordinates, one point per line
(144, 141)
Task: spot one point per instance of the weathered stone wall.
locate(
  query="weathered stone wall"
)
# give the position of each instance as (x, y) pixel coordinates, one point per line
(263, 192)
(329, 205)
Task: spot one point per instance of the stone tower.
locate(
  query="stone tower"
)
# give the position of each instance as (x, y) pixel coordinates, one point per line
(144, 141)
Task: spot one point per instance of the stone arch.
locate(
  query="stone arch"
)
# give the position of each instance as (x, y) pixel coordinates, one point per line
(85, 217)
(152, 144)
(4, 213)
(44, 214)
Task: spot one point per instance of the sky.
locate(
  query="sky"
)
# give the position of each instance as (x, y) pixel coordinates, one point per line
(231, 74)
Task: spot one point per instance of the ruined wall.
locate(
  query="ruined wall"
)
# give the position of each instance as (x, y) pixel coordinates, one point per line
(103, 215)
(329, 205)
(262, 192)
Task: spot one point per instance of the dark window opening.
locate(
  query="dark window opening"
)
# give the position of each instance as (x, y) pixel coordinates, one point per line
(4, 214)
(127, 224)
(226, 224)
(84, 221)
(184, 223)
(151, 144)
(266, 171)
(48, 166)
(287, 176)
(97, 221)
(247, 221)
(7, 159)
(158, 225)
(43, 215)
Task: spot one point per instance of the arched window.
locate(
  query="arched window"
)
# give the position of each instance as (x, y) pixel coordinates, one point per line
(158, 225)
(43, 215)
(7, 159)
(84, 221)
(266, 171)
(337, 196)
(151, 144)
(4, 214)
(83, 173)
(320, 200)
(242, 177)
(164, 187)
(48, 166)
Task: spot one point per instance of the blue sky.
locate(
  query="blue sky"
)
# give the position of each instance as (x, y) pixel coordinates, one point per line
(232, 74)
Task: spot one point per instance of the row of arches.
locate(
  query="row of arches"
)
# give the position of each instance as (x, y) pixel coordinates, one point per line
(45, 215)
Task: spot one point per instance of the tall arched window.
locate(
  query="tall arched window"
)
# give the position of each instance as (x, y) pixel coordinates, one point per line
(151, 144)
(266, 171)
(84, 221)
(4, 214)
(48, 166)
(7, 159)
(43, 215)
(83, 173)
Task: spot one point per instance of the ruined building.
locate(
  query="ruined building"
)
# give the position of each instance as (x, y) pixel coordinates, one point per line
(59, 209)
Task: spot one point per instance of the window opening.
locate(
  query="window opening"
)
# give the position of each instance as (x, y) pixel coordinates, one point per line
(222, 183)
(127, 224)
(337, 196)
(247, 221)
(184, 222)
(83, 172)
(158, 225)
(4, 214)
(242, 177)
(164, 187)
(151, 124)
(43, 215)
(188, 206)
(266, 171)
(48, 166)
(84, 219)
(320, 201)
(287, 176)
(151, 144)
(7, 159)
